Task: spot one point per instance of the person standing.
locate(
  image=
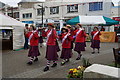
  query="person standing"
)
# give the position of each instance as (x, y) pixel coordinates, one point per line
(41, 37)
(51, 51)
(95, 39)
(71, 31)
(79, 40)
(33, 40)
(84, 39)
(26, 30)
(102, 29)
(66, 38)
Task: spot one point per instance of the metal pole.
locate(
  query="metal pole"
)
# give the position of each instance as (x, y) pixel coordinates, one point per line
(12, 12)
(42, 15)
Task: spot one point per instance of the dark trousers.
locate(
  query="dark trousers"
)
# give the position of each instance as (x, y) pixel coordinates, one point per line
(26, 43)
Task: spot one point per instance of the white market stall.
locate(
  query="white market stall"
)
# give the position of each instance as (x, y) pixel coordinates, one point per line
(16, 27)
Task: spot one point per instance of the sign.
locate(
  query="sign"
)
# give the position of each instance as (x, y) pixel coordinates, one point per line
(28, 22)
(116, 18)
(107, 37)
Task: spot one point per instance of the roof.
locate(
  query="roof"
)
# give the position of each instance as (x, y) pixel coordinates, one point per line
(30, 1)
(8, 21)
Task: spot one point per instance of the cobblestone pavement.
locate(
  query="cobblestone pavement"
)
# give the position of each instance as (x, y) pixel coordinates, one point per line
(14, 62)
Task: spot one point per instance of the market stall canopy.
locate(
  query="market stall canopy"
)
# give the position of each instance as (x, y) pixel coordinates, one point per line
(92, 20)
(8, 21)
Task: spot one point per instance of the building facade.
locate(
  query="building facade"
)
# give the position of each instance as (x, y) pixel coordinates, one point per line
(115, 11)
(10, 11)
(62, 9)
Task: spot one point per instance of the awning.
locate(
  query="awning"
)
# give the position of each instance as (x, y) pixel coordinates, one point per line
(6, 28)
(92, 20)
(28, 22)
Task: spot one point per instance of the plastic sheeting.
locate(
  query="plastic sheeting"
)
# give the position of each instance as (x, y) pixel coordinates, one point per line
(8, 21)
(18, 30)
(18, 37)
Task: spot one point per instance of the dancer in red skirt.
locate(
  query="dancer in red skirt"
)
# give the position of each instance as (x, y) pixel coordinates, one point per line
(71, 31)
(51, 51)
(95, 39)
(79, 41)
(66, 45)
(33, 42)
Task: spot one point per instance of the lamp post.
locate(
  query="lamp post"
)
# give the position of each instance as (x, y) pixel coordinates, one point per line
(12, 13)
(42, 13)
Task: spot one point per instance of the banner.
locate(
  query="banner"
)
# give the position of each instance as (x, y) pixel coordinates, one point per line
(107, 37)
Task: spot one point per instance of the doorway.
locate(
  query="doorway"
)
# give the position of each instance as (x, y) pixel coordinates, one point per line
(7, 39)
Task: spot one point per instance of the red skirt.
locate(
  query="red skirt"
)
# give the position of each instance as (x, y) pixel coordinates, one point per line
(95, 44)
(66, 53)
(79, 47)
(33, 51)
(57, 46)
(51, 53)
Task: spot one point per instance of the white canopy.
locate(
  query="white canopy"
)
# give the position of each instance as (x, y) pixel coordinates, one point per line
(8, 21)
(17, 27)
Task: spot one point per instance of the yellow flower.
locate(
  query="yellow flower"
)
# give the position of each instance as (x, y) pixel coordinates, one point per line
(75, 70)
(81, 67)
(71, 69)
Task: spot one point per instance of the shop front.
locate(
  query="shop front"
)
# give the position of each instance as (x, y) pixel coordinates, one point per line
(117, 29)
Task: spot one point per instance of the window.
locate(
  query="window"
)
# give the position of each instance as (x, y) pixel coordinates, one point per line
(16, 15)
(39, 11)
(10, 14)
(72, 8)
(95, 6)
(54, 10)
(27, 15)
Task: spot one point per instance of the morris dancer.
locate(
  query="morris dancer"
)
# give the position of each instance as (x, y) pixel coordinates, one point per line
(51, 51)
(66, 45)
(33, 42)
(79, 41)
(71, 31)
(95, 39)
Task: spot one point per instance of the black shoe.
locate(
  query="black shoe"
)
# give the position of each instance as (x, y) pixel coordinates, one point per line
(54, 65)
(41, 46)
(62, 63)
(78, 58)
(46, 68)
(93, 52)
(36, 59)
(98, 52)
(30, 63)
(67, 60)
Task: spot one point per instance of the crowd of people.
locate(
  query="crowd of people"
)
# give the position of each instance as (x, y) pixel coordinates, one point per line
(67, 37)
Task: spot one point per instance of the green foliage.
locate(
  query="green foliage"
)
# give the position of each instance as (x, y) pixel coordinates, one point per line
(86, 62)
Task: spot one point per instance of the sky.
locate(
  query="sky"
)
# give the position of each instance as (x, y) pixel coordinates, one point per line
(14, 2)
